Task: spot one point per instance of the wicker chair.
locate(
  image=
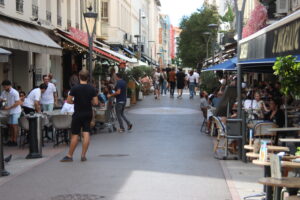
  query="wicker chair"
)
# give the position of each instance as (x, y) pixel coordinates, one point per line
(261, 131)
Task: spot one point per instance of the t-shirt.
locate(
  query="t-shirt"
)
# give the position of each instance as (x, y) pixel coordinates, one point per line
(34, 95)
(11, 97)
(83, 95)
(203, 102)
(196, 74)
(121, 84)
(48, 96)
(191, 79)
(172, 76)
(156, 77)
(180, 77)
(69, 108)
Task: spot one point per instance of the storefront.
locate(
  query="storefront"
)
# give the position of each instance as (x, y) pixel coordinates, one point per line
(33, 53)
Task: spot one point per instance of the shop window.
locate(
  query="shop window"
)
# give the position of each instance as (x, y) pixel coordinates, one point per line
(20, 6)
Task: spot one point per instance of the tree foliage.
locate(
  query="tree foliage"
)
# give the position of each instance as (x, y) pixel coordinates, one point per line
(288, 71)
(192, 41)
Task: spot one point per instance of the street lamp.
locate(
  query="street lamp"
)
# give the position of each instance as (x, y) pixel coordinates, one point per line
(90, 19)
(213, 26)
(209, 34)
(140, 34)
(150, 50)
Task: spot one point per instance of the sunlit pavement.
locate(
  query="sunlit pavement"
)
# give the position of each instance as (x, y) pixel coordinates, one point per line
(164, 157)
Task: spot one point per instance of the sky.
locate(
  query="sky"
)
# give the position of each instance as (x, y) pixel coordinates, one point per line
(178, 8)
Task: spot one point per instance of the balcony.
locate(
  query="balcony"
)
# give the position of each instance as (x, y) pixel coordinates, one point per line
(58, 20)
(69, 23)
(35, 11)
(2, 3)
(19, 6)
(48, 16)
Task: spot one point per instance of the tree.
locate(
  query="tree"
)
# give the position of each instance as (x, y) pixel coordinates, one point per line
(192, 41)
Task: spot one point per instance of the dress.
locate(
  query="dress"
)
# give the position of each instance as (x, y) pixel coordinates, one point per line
(180, 80)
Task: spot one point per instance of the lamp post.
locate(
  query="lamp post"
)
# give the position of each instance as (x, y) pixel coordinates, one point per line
(239, 26)
(150, 50)
(213, 26)
(90, 19)
(209, 34)
(140, 35)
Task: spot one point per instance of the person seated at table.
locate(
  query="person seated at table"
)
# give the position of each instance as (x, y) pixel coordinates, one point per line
(102, 97)
(22, 97)
(32, 101)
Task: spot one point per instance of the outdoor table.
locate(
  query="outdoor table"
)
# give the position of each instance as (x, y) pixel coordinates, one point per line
(284, 129)
(289, 140)
(256, 155)
(288, 182)
(267, 172)
(271, 148)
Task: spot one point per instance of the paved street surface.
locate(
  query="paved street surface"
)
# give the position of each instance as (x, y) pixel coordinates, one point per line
(164, 157)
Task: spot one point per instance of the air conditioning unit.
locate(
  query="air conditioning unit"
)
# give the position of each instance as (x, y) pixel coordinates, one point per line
(282, 6)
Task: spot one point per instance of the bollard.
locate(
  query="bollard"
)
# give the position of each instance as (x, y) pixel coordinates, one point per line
(35, 136)
(3, 172)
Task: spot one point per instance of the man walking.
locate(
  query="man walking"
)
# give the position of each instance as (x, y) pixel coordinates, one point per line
(12, 98)
(83, 96)
(180, 76)
(49, 97)
(120, 94)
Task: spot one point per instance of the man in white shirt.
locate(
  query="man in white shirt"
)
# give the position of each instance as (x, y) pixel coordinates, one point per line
(49, 97)
(12, 98)
(196, 74)
(32, 101)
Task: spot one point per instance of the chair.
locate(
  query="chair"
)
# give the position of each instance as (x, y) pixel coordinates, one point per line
(61, 124)
(230, 131)
(261, 130)
(24, 133)
(204, 123)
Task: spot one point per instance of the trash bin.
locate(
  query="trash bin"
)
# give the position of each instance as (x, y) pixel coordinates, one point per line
(35, 135)
(3, 172)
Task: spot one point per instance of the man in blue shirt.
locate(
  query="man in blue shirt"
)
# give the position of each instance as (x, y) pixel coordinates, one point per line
(121, 97)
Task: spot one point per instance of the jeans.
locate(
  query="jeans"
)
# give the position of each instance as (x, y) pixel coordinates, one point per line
(48, 107)
(120, 106)
(163, 87)
(172, 88)
(192, 89)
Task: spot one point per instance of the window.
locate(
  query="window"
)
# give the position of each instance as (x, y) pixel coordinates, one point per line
(20, 6)
(58, 12)
(104, 11)
(48, 10)
(35, 8)
(2, 3)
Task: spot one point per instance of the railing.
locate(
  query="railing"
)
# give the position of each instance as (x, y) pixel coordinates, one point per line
(69, 23)
(48, 16)
(19, 6)
(35, 10)
(58, 20)
(2, 2)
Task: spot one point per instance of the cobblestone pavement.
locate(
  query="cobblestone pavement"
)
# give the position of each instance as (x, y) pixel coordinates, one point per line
(164, 157)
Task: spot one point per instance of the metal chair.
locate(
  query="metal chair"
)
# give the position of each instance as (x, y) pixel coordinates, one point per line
(261, 131)
(61, 124)
(24, 132)
(230, 131)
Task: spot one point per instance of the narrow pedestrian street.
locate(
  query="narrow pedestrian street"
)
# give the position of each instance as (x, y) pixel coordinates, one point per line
(164, 157)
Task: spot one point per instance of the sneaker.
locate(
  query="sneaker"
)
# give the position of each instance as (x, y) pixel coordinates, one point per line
(121, 130)
(66, 159)
(129, 127)
(83, 159)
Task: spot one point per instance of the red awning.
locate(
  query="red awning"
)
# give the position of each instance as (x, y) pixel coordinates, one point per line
(85, 44)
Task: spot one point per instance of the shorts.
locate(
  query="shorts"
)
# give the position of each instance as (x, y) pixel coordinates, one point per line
(81, 122)
(48, 107)
(156, 86)
(14, 118)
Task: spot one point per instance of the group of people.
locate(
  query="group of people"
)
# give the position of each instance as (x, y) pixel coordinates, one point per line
(82, 96)
(15, 102)
(164, 80)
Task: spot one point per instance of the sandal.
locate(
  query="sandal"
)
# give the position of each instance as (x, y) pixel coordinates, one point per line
(66, 159)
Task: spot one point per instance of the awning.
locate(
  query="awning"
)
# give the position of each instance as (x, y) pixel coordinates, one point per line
(26, 38)
(128, 51)
(122, 57)
(229, 65)
(4, 55)
(85, 45)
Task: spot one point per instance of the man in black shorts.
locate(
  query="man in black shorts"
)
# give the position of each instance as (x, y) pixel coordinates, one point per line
(82, 96)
